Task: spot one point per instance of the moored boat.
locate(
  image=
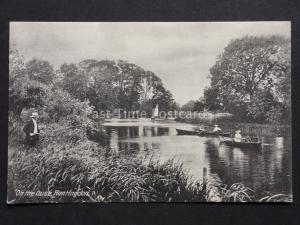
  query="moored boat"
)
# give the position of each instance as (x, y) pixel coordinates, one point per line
(186, 132)
(245, 143)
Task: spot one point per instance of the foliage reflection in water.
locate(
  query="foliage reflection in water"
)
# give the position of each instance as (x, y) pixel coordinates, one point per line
(268, 170)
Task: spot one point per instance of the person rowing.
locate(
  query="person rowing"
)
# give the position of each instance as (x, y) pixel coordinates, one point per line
(201, 128)
(217, 129)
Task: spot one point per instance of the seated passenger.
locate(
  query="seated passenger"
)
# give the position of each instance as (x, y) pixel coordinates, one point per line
(201, 128)
(237, 136)
(216, 129)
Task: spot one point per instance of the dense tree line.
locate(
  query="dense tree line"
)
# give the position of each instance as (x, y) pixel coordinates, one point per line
(109, 84)
(252, 80)
(105, 84)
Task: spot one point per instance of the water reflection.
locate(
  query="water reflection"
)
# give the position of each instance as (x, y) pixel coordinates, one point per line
(265, 170)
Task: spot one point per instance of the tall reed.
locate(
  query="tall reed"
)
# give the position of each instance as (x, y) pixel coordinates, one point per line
(65, 160)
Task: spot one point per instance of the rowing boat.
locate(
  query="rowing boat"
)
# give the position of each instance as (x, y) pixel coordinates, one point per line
(245, 143)
(186, 132)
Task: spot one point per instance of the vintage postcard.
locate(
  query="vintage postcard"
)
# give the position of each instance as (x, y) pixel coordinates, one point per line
(149, 112)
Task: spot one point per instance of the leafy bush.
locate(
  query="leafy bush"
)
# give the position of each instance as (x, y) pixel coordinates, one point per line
(59, 105)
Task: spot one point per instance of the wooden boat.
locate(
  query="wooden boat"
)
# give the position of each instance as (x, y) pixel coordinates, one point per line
(215, 134)
(245, 143)
(186, 132)
(202, 133)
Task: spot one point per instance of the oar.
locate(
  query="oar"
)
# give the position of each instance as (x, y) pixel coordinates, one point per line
(267, 144)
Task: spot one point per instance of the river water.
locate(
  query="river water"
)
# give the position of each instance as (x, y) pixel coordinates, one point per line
(266, 170)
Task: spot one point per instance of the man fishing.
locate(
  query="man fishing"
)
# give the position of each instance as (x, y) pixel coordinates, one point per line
(31, 130)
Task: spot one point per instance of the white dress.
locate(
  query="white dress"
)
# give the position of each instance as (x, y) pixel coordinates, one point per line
(216, 129)
(237, 137)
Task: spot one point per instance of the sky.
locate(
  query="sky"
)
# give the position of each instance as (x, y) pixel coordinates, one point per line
(181, 54)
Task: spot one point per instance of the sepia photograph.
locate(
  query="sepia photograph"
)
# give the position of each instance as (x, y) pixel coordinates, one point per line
(149, 112)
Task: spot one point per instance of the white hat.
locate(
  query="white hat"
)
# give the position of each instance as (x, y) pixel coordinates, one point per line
(34, 114)
(238, 131)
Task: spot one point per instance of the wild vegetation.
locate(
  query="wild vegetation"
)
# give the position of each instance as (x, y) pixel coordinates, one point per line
(84, 168)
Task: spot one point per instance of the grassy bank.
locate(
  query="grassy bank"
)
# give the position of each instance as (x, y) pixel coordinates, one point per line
(69, 162)
(66, 161)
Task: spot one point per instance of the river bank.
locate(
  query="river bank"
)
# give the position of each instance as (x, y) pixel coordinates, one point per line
(110, 178)
(67, 161)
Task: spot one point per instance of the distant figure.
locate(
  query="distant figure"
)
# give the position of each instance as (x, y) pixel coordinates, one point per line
(216, 129)
(31, 130)
(201, 128)
(136, 114)
(152, 119)
(238, 136)
(155, 113)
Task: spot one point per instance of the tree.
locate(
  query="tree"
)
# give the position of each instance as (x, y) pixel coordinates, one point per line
(101, 77)
(17, 80)
(199, 105)
(211, 98)
(109, 84)
(189, 106)
(40, 70)
(60, 105)
(162, 97)
(283, 84)
(263, 102)
(124, 85)
(74, 81)
(129, 85)
(247, 68)
(153, 92)
(25, 90)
